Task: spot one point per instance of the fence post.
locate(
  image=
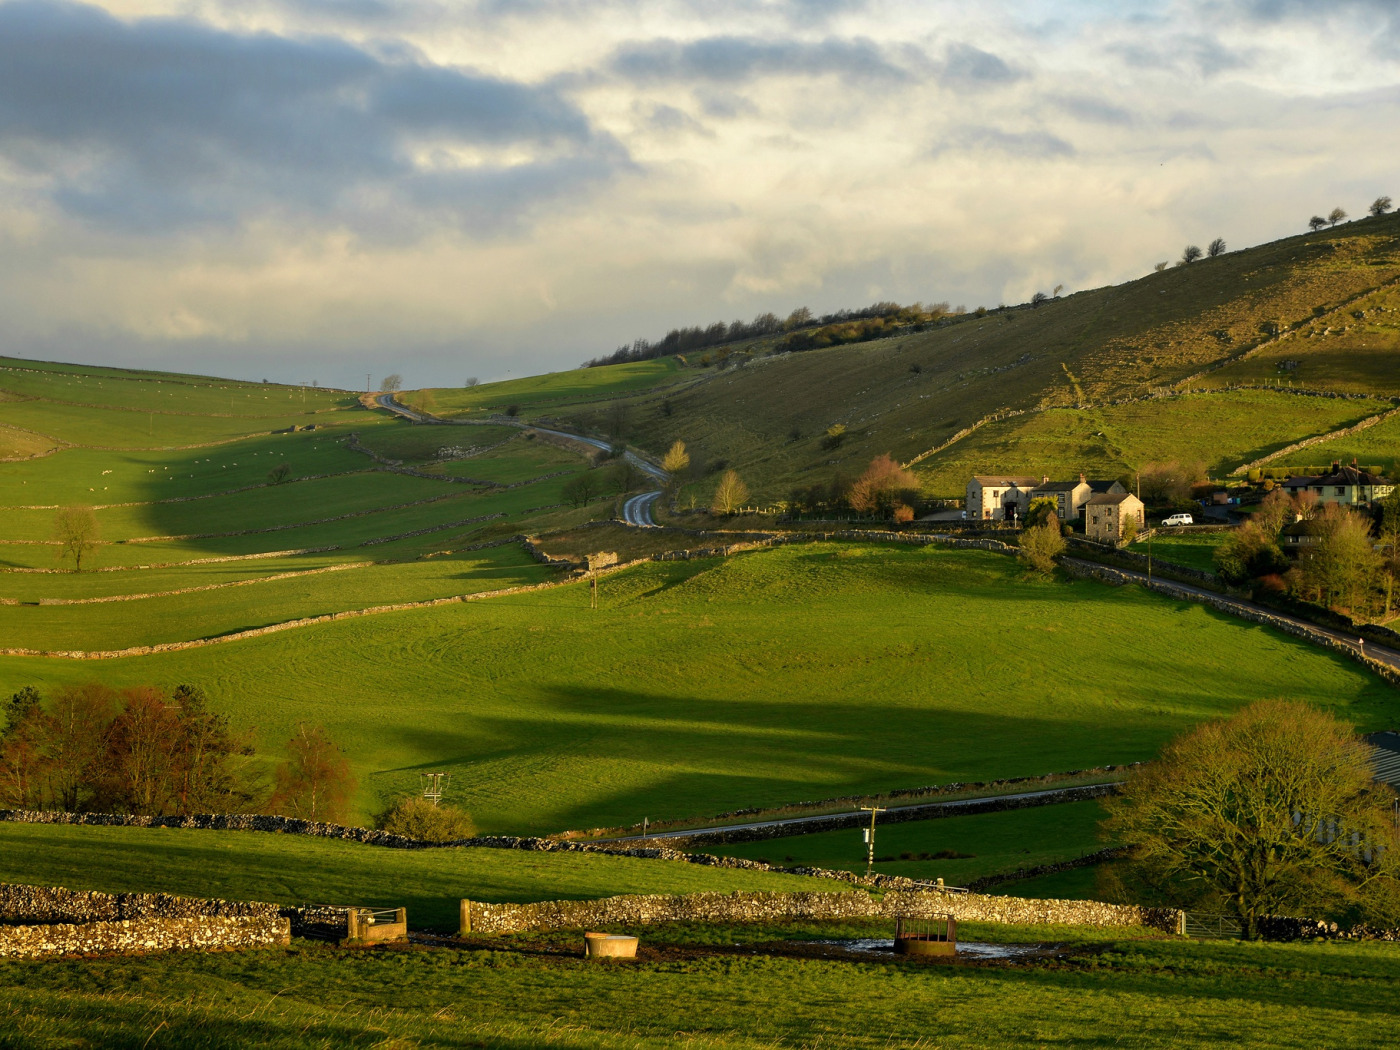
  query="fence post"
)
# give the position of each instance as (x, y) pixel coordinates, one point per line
(464, 921)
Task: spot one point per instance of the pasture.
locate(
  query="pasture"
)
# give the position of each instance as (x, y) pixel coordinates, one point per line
(1118, 988)
(552, 390)
(698, 687)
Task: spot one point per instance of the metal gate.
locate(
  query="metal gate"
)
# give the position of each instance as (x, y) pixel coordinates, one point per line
(1211, 927)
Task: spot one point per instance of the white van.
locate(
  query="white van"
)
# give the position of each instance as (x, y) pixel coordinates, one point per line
(1179, 519)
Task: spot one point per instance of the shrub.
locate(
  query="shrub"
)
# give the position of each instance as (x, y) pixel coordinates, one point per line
(280, 474)
(903, 514)
(417, 818)
(1040, 546)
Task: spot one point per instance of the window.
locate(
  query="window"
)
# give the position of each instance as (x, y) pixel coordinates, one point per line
(1341, 490)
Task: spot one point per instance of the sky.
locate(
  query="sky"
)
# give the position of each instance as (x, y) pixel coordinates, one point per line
(329, 189)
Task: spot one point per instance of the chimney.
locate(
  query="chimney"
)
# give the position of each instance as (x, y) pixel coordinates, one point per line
(1045, 479)
(1336, 465)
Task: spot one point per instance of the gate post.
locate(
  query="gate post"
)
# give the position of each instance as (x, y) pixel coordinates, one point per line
(464, 920)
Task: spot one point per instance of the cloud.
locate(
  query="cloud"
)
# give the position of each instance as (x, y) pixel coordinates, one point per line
(968, 68)
(158, 124)
(731, 59)
(1093, 110)
(1035, 145)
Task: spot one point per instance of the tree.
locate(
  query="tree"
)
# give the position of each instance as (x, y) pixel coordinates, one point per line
(884, 485)
(1130, 527)
(1251, 551)
(280, 474)
(1216, 247)
(1159, 267)
(392, 383)
(1342, 564)
(1042, 511)
(1336, 215)
(1038, 298)
(623, 476)
(581, 490)
(139, 769)
(730, 494)
(471, 382)
(75, 530)
(1041, 545)
(1389, 525)
(1316, 223)
(72, 739)
(1169, 482)
(314, 782)
(1190, 254)
(1271, 812)
(676, 459)
(1274, 513)
(1380, 206)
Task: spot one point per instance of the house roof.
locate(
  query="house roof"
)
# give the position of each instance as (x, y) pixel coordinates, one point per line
(1101, 486)
(1004, 479)
(1110, 499)
(1352, 476)
(1058, 486)
(1302, 481)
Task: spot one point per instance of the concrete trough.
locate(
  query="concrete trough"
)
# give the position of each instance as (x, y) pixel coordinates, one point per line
(609, 946)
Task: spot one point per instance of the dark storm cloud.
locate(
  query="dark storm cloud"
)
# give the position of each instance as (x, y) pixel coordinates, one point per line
(160, 123)
(730, 59)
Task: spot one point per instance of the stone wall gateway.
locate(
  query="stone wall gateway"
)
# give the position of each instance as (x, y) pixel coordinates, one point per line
(649, 909)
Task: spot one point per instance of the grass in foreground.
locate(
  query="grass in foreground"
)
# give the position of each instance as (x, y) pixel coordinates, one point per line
(987, 844)
(295, 869)
(1124, 992)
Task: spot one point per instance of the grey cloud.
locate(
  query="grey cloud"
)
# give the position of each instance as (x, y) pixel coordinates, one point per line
(968, 68)
(1031, 144)
(1203, 55)
(160, 123)
(672, 121)
(731, 58)
(1095, 110)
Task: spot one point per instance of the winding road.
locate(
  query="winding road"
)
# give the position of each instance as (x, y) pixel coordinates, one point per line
(637, 509)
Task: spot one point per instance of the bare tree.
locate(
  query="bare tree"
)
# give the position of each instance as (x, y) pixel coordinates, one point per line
(1216, 247)
(1159, 267)
(392, 383)
(1056, 293)
(1038, 298)
(1336, 215)
(1267, 813)
(75, 530)
(1380, 206)
(580, 491)
(1316, 223)
(471, 382)
(730, 494)
(315, 782)
(1190, 254)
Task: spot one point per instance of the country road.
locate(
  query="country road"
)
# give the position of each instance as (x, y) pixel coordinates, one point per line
(637, 509)
(856, 817)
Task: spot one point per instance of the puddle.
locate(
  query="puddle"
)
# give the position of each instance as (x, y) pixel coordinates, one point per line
(966, 949)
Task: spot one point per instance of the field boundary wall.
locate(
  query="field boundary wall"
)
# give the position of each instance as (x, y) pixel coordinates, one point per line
(647, 909)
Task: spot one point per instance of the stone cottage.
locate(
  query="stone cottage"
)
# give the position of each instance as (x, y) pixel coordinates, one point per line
(1105, 515)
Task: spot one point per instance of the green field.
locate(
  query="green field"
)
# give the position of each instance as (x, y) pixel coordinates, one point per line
(296, 869)
(1221, 430)
(539, 393)
(993, 844)
(1195, 550)
(1107, 989)
(796, 673)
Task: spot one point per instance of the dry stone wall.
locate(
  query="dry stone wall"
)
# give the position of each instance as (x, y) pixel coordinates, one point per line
(649, 909)
(198, 933)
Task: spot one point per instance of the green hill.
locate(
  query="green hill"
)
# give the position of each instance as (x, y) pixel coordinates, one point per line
(1102, 380)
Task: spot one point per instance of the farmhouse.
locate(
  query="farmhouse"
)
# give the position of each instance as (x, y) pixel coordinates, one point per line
(999, 497)
(1346, 485)
(1106, 515)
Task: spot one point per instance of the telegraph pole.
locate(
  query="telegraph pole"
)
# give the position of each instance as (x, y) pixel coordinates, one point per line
(433, 786)
(870, 839)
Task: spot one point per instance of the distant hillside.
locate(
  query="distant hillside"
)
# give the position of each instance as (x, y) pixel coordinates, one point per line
(1103, 380)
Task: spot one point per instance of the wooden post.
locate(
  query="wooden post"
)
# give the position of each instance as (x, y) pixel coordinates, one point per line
(464, 921)
(352, 924)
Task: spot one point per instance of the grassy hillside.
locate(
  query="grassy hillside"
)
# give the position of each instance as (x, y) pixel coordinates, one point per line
(1207, 326)
(795, 673)
(293, 869)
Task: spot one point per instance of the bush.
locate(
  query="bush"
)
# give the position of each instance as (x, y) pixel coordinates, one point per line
(417, 818)
(903, 514)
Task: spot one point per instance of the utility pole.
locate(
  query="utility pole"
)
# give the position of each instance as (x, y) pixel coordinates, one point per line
(870, 839)
(368, 388)
(434, 786)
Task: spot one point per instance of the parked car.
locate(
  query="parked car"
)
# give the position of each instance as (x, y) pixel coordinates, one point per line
(1179, 519)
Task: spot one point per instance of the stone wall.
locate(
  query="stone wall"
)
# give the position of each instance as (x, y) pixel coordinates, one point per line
(900, 814)
(647, 909)
(198, 933)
